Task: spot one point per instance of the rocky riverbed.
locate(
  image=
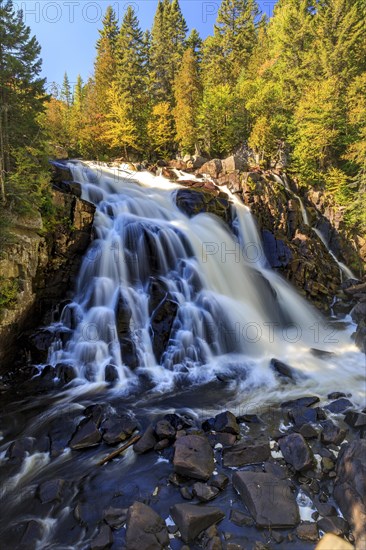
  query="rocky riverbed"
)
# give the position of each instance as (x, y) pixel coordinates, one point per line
(276, 476)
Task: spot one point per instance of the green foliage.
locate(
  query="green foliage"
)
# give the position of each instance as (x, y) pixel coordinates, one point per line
(187, 91)
(221, 120)
(9, 289)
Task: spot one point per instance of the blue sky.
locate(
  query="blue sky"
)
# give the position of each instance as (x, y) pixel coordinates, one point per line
(68, 29)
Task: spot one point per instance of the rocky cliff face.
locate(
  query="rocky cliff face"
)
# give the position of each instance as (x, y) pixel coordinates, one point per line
(290, 242)
(43, 265)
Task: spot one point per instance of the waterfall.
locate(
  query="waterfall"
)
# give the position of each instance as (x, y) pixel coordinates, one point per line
(343, 269)
(226, 310)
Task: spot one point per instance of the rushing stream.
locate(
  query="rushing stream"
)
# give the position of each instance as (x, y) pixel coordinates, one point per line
(231, 316)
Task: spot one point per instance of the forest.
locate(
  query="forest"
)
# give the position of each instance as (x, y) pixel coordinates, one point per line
(290, 88)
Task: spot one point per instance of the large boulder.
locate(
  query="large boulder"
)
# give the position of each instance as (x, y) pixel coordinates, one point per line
(145, 529)
(193, 457)
(268, 499)
(242, 454)
(192, 519)
(350, 488)
(212, 168)
(232, 163)
(86, 435)
(193, 202)
(296, 451)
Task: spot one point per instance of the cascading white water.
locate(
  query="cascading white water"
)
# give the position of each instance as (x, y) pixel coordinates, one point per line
(232, 313)
(343, 269)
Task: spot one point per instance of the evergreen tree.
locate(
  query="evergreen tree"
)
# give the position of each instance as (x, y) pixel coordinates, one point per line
(194, 42)
(131, 77)
(22, 93)
(105, 63)
(167, 47)
(228, 52)
(66, 94)
(187, 91)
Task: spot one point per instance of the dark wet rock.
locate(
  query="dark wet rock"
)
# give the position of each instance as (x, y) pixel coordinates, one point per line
(242, 454)
(179, 421)
(332, 434)
(308, 431)
(147, 442)
(226, 422)
(336, 395)
(162, 444)
(278, 254)
(355, 419)
(117, 429)
(307, 531)
(301, 402)
(104, 538)
(321, 413)
(339, 406)
(302, 415)
(193, 202)
(39, 343)
(220, 481)
(275, 469)
(248, 418)
(208, 424)
(111, 374)
(128, 346)
(97, 413)
(86, 435)
(32, 534)
(350, 487)
(164, 430)
(324, 508)
(192, 519)
(224, 439)
(145, 529)
(161, 325)
(193, 457)
(358, 313)
(296, 451)
(20, 448)
(240, 518)
(285, 371)
(186, 493)
(204, 492)
(51, 490)
(66, 373)
(333, 524)
(115, 517)
(129, 353)
(268, 499)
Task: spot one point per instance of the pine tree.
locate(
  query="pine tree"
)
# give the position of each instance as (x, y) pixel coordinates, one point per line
(228, 52)
(187, 91)
(22, 92)
(66, 94)
(194, 42)
(131, 77)
(105, 63)
(167, 47)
